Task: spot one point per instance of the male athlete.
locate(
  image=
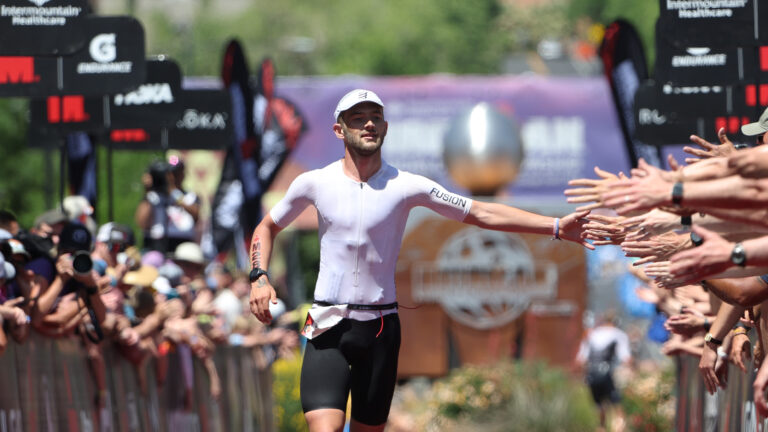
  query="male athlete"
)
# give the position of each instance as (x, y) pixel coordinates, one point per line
(362, 205)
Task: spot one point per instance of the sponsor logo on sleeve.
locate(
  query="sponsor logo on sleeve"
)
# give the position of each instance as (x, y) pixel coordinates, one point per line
(456, 200)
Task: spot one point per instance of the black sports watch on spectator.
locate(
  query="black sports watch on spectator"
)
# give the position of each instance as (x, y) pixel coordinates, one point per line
(256, 273)
(677, 194)
(696, 239)
(738, 256)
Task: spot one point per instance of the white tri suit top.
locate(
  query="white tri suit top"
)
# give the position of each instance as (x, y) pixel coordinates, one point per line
(360, 226)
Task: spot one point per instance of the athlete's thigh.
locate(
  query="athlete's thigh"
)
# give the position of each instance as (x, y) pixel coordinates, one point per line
(325, 375)
(374, 376)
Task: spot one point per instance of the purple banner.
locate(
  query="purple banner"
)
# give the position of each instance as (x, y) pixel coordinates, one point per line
(568, 125)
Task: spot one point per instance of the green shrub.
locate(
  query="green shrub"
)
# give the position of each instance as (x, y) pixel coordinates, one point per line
(507, 396)
(288, 414)
(649, 402)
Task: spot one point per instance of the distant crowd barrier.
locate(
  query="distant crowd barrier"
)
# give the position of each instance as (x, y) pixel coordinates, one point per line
(729, 410)
(48, 385)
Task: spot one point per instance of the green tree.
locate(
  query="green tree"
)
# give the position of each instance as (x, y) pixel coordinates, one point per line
(642, 14)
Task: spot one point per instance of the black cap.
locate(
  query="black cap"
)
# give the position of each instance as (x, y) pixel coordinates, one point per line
(74, 237)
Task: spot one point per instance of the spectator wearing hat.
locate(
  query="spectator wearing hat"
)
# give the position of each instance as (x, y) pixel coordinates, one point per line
(80, 210)
(74, 293)
(189, 256)
(49, 225)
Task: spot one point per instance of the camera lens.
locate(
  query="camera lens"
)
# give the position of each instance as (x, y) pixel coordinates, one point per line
(82, 263)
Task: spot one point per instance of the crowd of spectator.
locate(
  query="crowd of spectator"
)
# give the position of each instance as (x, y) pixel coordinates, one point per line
(65, 276)
(697, 233)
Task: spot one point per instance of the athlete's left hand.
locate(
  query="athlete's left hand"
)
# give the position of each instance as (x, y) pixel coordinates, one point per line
(572, 228)
(262, 293)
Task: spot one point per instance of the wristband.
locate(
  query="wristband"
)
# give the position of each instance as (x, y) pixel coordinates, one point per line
(686, 221)
(677, 194)
(706, 324)
(739, 330)
(721, 352)
(556, 230)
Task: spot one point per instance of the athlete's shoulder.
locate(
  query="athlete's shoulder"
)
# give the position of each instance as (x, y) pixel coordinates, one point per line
(318, 174)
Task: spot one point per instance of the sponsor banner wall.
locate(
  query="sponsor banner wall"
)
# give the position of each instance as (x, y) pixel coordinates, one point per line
(688, 23)
(42, 27)
(111, 61)
(568, 125)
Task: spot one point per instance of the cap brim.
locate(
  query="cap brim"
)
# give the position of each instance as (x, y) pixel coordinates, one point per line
(752, 129)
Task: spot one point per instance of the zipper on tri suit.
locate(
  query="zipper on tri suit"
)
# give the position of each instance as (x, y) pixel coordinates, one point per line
(359, 231)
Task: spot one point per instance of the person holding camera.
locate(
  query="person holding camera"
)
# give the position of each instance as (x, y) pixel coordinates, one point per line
(74, 292)
(167, 215)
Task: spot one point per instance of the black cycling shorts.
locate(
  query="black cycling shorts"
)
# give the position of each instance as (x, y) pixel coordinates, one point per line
(349, 357)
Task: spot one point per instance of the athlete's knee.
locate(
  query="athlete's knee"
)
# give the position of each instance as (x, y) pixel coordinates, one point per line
(325, 420)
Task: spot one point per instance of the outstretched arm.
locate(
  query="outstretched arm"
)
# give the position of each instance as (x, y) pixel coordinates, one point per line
(500, 217)
(262, 291)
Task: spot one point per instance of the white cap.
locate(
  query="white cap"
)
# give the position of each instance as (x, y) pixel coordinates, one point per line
(162, 285)
(353, 98)
(190, 252)
(757, 128)
(7, 271)
(17, 247)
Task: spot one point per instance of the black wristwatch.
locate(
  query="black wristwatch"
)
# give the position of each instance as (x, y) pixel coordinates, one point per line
(696, 239)
(256, 273)
(708, 338)
(686, 221)
(677, 193)
(738, 256)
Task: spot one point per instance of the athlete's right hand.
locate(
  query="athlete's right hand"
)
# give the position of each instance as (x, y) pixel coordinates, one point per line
(262, 292)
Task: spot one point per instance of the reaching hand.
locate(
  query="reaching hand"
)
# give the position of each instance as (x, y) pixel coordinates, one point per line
(759, 387)
(686, 323)
(605, 230)
(572, 228)
(650, 224)
(591, 189)
(656, 248)
(709, 150)
(648, 188)
(741, 351)
(711, 258)
(707, 369)
(750, 163)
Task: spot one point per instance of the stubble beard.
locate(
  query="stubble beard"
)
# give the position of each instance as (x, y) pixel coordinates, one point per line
(365, 149)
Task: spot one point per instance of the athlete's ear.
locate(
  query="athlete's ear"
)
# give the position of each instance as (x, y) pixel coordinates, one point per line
(338, 130)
